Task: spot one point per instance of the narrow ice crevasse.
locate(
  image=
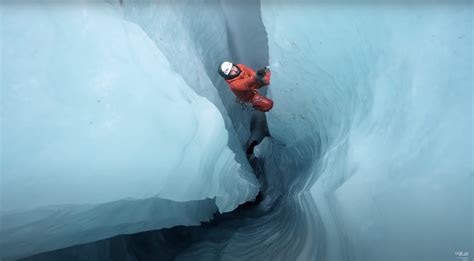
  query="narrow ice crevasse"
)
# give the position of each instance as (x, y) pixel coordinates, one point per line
(373, 104)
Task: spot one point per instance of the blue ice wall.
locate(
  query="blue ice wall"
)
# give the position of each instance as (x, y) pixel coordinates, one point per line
(100, 135)
(371, 150)
(386, 92)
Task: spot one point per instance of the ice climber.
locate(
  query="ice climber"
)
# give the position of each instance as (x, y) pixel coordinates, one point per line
(244, 82)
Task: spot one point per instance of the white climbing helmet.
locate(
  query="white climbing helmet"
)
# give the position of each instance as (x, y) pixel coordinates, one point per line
(226, 67)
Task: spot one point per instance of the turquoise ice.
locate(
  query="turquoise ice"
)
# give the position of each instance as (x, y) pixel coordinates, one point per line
(114, 121)
(385, 90)
(98, 125)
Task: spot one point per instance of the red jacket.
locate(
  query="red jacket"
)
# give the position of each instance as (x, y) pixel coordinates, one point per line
(244, 86)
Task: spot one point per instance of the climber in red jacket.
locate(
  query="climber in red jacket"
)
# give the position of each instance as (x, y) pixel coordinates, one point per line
(244, 83)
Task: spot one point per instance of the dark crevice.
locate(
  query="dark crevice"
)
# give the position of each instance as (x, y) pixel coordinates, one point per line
(162, 244)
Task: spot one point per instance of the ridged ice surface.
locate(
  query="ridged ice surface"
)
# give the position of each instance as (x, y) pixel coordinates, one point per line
(370, 154)
(371, 149)
(385, 92)
(100, 135)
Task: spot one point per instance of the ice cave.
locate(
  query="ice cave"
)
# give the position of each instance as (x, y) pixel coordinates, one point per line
(120, 141)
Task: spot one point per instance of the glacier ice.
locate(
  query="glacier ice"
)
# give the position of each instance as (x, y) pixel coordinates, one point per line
(97, 125)
(385, 91)
(195, 39)
(370, 154)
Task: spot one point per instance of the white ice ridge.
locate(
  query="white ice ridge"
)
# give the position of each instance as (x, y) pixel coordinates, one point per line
(93, 115)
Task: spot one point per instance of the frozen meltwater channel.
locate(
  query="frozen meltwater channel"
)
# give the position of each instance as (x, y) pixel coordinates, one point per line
(100, 135)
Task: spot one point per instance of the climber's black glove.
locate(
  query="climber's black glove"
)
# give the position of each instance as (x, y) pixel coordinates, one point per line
(261, 73)
(260, 80)
(260, 76)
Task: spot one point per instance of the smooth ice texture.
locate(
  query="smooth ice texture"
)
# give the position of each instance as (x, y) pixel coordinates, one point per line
(385, 90)
(97, 125)
(371, 150)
